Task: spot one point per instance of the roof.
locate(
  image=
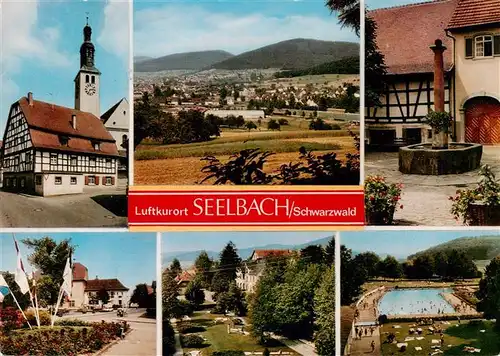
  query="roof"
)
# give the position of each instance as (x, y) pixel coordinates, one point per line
(108, 284)
(428, 21)
(257, 254)
(80, 272)
(185, 276)
(47, 122)
(475, 12)
(107, 114)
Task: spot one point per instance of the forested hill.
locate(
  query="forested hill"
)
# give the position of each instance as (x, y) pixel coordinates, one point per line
(180, 61)
(293, 54)
(477, 248)
(342, 66)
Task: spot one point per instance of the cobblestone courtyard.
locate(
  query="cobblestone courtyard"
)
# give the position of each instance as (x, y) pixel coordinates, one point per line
(425, 198)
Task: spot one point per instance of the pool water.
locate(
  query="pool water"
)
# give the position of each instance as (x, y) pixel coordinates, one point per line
(415, 301)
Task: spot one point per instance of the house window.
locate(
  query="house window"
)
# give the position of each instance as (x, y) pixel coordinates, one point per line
(28, 157)
(73, 161)
(484, 46)
(7, 182)
(108, 181)
(96, 146)
(91, 179)
(53, 158)
(124, 139)
(58, 180)
(14, 182)
(38, 180)
(92, 161)
(73, 181)
(108, 163)
(112, 294)
(63, 140)
(22, 182)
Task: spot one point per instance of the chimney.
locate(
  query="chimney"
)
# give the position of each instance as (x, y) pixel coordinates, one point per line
(73, 121)
(30, 98)
(438, 50)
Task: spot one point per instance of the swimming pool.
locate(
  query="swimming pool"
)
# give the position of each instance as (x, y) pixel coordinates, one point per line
(415, 301)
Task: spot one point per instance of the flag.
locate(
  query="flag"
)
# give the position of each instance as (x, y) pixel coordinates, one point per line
(67, 277)
(4, 288)
(20, 277)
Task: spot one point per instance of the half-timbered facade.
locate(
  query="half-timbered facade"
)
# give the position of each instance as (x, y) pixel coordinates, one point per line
(409, 94)
(52, 150)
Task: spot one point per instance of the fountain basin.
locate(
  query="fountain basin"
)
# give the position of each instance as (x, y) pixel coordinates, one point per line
(422, 159)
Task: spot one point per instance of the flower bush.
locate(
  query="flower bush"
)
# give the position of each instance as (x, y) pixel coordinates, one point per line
(61, 340)
(10, 318)
(439, 121)
(381, 199)
(45, 317)
(192, 341)
(486, 193)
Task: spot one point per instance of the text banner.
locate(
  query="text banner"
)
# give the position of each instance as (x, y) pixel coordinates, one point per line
(245, 208)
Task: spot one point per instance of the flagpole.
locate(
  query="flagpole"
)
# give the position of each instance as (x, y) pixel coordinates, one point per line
(36, 311)
(17, 303)
(57, 306)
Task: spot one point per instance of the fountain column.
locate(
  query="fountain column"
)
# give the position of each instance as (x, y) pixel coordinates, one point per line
(438, 48)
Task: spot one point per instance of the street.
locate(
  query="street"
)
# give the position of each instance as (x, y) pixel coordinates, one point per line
(140, 341)
(99, 208)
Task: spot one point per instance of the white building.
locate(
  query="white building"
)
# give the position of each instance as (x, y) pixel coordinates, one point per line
(247, 114)
(117, 122)
(51, 150)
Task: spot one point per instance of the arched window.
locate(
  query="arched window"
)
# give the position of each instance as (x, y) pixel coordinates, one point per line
(124, 139)
(93, 79)
(87, 78)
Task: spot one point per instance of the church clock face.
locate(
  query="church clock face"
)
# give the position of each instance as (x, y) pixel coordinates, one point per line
(90, 89)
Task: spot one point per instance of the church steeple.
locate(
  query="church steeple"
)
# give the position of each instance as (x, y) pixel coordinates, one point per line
(87, 48)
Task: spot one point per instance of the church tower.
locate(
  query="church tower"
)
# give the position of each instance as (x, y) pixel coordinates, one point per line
(87, 80)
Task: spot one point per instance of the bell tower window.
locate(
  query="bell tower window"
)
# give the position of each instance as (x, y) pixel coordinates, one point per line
(87, 78)
(93, 79)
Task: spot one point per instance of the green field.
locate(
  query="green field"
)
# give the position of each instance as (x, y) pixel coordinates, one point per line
(219, 339)
(456, 337)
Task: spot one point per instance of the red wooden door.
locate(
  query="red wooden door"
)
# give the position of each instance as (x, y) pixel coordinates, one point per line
(482, 121)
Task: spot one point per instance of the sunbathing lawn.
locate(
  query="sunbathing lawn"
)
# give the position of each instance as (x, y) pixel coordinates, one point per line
(220, 340)
(456, 337)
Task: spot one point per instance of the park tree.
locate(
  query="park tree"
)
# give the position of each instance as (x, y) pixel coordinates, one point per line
(223, 92)
(23, 299)
(103, 296)
(352, 277)
(229, 261)
(391, 268)
(273, 125)
(170, 292)
(461, 266)
(312, 254)
(220, 283)
(232, 300)
(330, 252)
(423, 266)
(49, 257)
(324, 309)
(175, 267)
(204, 265)
(194, 292)
(489, 291)
(145, 114)
(369, 261)
(250, 125)
(441, 264)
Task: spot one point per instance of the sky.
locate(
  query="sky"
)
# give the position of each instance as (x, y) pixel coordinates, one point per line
(40, 47)
(403, 243)
(377, 4)
(215, 241)
(236, 26)
(130, 257)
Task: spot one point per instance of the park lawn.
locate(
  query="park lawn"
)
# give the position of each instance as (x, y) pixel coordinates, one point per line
(456, 337)
(219, 339)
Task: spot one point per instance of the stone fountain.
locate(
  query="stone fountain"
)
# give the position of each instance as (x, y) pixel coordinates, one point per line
(440, 157)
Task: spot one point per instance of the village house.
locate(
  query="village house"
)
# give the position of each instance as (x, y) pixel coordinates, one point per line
(51, 150)
(247, 114)
(251, 270)
(470, 30)
(85, 291)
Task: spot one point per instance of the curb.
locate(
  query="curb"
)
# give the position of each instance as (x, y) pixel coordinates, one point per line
(108, 346)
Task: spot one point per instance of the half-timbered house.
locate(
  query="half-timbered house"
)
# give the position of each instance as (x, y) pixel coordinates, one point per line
(470, 29)
(50, 149)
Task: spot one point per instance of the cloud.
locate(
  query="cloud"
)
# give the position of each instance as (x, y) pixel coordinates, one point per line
(114, 37)
(176, 28)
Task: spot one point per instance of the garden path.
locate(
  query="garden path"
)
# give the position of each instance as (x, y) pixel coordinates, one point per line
(425, 198)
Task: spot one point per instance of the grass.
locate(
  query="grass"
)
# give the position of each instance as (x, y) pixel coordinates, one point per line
(219, 339)
(456, 337)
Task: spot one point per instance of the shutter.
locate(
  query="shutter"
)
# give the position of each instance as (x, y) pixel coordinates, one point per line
(112, 180)
(96, 180)
(86, 180)
(103, 180)
(496, 45)
(469, 48)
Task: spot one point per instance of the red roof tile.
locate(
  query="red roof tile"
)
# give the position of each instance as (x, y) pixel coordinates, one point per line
(80, 272)
(475, 12)
(108, 284)
(257, 254)
(405, 33)
(185, 276)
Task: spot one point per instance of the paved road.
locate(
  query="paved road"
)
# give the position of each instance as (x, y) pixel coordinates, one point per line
(79, 210)
(425, 198)
(141, 341)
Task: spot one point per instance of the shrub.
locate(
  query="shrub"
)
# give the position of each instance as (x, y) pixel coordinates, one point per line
(185, 307)
(72, 322)
(192, 341)
(228, 353)
(273, 125)
(45, 317)
(320, 124)
(439, 121)
(187, 328)
(11, 319)
(382, 319)
(382, 197)
(283, 122)
(168, 339)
